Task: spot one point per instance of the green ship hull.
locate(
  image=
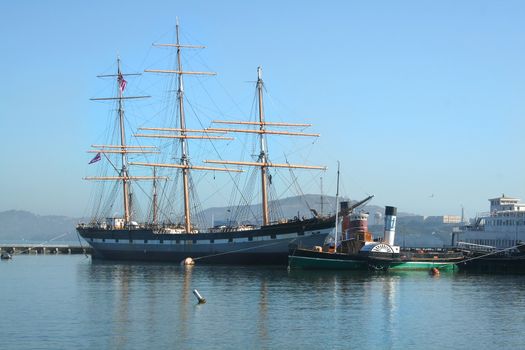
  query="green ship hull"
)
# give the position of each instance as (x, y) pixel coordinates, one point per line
(314, 260)
(422, 265)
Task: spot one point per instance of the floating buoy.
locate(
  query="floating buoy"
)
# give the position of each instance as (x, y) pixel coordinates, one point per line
(199, 297)
(187, 262)
(434, 271)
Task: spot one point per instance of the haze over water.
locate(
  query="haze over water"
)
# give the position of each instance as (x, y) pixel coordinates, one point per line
(58, 302)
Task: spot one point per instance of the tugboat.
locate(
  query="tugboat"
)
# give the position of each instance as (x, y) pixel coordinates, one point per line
(344, 257)
(358, 251)
(385, 255)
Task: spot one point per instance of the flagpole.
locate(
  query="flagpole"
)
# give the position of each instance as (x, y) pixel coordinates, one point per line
(336, 209)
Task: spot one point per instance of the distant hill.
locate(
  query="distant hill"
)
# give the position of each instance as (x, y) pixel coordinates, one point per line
(20, 226)
(290, 207)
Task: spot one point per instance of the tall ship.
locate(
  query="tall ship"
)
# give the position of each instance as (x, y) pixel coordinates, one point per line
(502, 227)
(164, 235)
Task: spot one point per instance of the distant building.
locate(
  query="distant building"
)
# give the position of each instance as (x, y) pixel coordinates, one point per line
(443, 219)
(506, 204)
(411, 219)
(378, 218)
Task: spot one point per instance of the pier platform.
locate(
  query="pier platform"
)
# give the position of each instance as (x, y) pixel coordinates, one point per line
(44, 249)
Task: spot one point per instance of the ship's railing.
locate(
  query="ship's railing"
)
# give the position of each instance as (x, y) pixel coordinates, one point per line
(476, 247)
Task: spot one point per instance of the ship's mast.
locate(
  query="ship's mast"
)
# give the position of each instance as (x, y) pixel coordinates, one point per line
(124, 170)
(262, 160)
(154, 196)
(182, 133)
(122, 148)
(184, 152)
(262, 155)
(322, 197)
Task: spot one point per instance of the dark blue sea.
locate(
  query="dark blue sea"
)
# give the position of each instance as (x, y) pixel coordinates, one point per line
(70, 302)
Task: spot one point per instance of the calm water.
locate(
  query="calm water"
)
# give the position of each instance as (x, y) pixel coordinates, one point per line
(69, 302)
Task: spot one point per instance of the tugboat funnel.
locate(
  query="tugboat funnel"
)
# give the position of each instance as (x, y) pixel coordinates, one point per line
(390, 225)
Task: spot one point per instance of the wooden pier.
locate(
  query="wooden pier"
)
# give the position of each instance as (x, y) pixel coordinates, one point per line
(44, 249)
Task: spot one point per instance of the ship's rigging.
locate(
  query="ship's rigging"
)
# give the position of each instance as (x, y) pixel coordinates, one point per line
(184, 166)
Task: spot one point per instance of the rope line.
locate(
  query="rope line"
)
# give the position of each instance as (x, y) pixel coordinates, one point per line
(238, 250)
(492, 253)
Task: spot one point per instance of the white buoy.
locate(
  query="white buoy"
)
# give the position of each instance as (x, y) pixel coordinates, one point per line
(199, 297)
(187, 262)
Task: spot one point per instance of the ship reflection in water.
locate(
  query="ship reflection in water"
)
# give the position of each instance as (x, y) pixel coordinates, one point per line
(133, 305)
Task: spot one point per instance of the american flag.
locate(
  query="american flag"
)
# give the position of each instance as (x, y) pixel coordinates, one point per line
(121, 82)
(95, 158)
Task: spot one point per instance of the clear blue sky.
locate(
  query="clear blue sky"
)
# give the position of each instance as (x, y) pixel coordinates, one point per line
(423, 102)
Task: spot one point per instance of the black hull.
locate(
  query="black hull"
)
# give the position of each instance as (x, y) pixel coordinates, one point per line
(226, 259)
(506, 264)
(264, 246)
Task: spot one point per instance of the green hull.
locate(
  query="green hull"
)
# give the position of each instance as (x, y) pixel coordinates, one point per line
(313, 260)
(422, 265)
(309, 260)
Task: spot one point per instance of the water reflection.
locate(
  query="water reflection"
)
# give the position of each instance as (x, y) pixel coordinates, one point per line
(263, 312)
(121, 318)
(137, 305)
(185, 299)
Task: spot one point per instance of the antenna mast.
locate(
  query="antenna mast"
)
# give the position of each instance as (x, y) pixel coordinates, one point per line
(336, 209)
